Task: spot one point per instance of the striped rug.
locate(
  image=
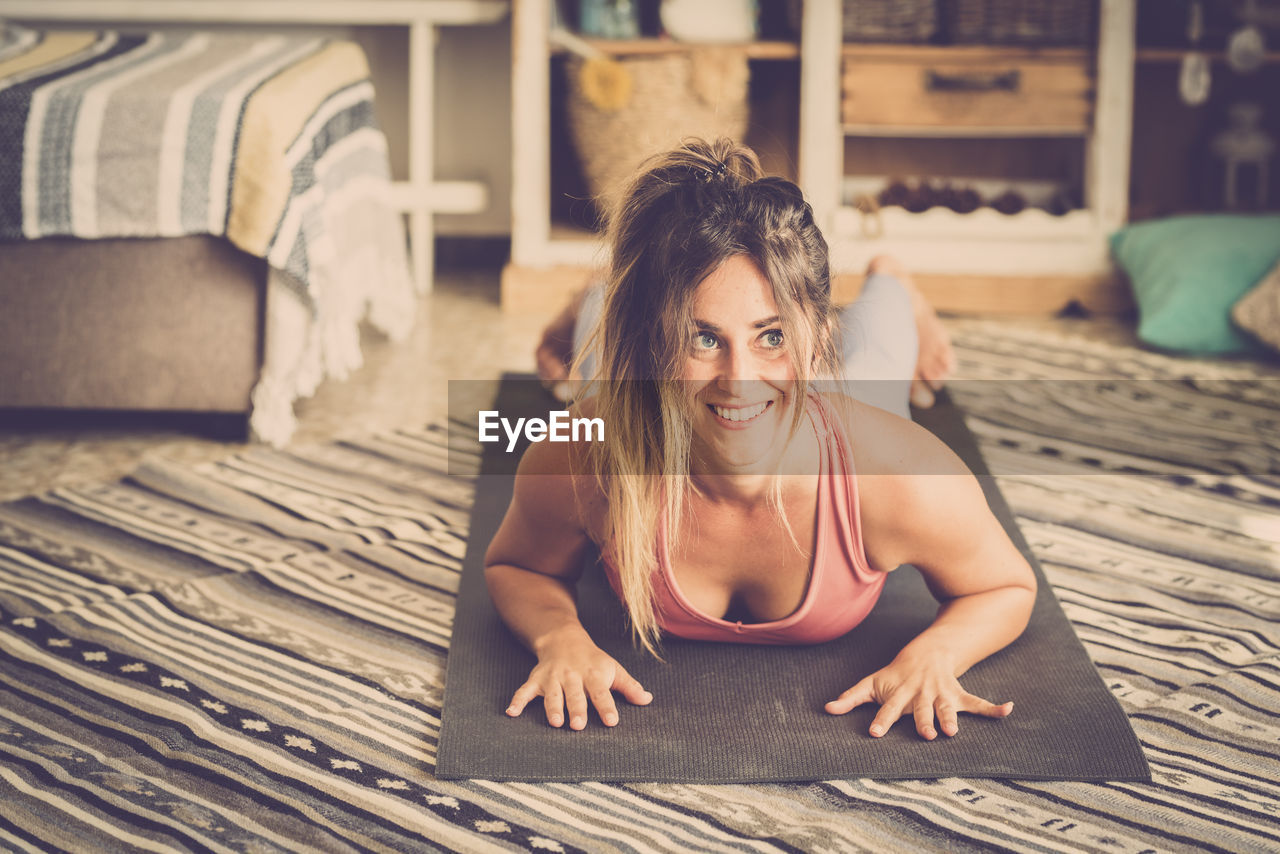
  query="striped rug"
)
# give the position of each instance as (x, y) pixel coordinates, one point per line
(249, 655)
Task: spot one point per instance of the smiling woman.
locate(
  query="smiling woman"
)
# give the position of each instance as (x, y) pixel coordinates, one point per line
(738, 372)
(733, 499)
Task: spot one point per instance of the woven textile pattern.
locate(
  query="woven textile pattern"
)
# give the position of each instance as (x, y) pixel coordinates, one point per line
(249, 655)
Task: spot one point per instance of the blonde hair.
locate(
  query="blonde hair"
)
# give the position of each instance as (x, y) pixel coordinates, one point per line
(679, 219)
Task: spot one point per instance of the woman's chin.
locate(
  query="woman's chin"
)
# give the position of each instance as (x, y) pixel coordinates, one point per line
(735, 450)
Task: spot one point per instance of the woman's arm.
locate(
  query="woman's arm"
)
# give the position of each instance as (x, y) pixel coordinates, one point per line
(531, 567)
(935, 359)
(931, 513)
(532, 563)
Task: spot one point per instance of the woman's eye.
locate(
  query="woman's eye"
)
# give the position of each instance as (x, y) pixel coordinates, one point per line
(704, 341)
(772, 338)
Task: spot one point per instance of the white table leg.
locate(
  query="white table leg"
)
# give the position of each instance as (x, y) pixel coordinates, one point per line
(422, 46)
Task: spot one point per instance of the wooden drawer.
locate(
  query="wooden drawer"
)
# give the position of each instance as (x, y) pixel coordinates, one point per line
(893, 90)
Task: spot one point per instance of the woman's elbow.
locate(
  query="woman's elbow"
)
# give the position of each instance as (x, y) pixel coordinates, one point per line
(496, 576)
(1030, 583)
(496, 572)
(1027, 590)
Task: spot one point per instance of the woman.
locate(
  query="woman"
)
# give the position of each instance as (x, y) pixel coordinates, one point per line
(779, 507)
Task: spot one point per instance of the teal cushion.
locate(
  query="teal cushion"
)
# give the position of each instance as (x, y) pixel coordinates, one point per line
(1188, 271)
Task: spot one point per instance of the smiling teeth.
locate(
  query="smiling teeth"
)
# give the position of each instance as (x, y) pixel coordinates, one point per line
(743, 414)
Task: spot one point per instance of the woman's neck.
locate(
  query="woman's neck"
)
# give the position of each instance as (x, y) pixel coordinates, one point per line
(750, 485)
(742, 489)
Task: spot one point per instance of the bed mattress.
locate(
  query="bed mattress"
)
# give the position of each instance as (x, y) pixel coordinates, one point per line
(168, 324)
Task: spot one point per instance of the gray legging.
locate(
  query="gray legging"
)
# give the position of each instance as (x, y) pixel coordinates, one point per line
(876, 341)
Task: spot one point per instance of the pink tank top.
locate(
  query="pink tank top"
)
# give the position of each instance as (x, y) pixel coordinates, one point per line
(842, 585)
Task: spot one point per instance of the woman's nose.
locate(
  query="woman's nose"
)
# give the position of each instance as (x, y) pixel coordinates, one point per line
(737, 371)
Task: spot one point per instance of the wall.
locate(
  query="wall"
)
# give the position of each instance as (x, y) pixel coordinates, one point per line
(473, 113)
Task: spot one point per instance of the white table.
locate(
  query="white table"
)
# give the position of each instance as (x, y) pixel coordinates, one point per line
(421, 196)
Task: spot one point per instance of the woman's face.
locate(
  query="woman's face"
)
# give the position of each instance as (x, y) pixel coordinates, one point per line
(738, 371)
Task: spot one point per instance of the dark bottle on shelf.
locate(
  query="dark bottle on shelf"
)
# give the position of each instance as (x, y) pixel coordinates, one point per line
(1009, 202)
(894, 195)
(962, 200)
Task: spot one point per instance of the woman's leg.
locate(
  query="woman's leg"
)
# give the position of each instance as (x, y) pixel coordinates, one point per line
(564, 337)
(877, 344)
(588, 316)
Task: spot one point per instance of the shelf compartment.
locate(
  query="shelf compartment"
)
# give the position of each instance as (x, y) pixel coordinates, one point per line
(1175, 55)
(973, 92)
(658, 47)
(983, 224)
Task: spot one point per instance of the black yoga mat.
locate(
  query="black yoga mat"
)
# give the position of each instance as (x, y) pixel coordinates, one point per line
(738, 713)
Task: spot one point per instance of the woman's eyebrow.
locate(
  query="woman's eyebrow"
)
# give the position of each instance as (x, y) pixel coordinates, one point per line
(759, 324)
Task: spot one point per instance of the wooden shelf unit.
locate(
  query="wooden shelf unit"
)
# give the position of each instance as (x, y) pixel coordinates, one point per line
(1026, 263)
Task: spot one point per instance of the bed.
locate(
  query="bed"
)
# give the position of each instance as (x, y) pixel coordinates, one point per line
(190, 221)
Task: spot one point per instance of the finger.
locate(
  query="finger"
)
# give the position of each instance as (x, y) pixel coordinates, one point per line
(923, 714)
(851, 699)
(978, 706)
(947, 718)
(602, 699)
(521, 698)
(553, 704)
(886, 717)
(576, 700)
(630, 688)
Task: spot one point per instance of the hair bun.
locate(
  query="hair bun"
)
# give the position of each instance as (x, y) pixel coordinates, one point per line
(707, 174)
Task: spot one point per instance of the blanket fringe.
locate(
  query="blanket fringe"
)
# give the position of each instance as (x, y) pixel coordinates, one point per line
(306, 345)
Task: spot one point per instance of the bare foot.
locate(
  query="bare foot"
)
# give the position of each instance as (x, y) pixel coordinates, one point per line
(552, 356)
(554, 353)
(936, 360)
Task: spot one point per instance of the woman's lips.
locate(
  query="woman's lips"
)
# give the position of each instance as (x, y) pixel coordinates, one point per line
(738, 417)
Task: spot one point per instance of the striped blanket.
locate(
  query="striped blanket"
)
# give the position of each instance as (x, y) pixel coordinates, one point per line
(268, 141)
(249, 655)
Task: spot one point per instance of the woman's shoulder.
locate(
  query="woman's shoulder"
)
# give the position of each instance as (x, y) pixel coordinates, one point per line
(562, 476)
(883, 443)
(571, 451)
(901, 503)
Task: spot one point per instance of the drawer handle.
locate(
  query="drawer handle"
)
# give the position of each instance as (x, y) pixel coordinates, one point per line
(1006, 81)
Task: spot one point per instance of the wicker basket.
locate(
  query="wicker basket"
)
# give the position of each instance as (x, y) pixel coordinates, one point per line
(881, 20)
(697, 93)
(1026, 22)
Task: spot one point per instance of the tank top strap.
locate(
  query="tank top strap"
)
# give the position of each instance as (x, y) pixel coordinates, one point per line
(845, 524)
(832, 436)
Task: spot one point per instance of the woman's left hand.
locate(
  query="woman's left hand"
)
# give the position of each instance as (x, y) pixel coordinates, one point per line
(920, 685)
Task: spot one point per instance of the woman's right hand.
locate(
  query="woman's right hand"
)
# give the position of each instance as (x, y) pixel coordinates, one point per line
(571, 669)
